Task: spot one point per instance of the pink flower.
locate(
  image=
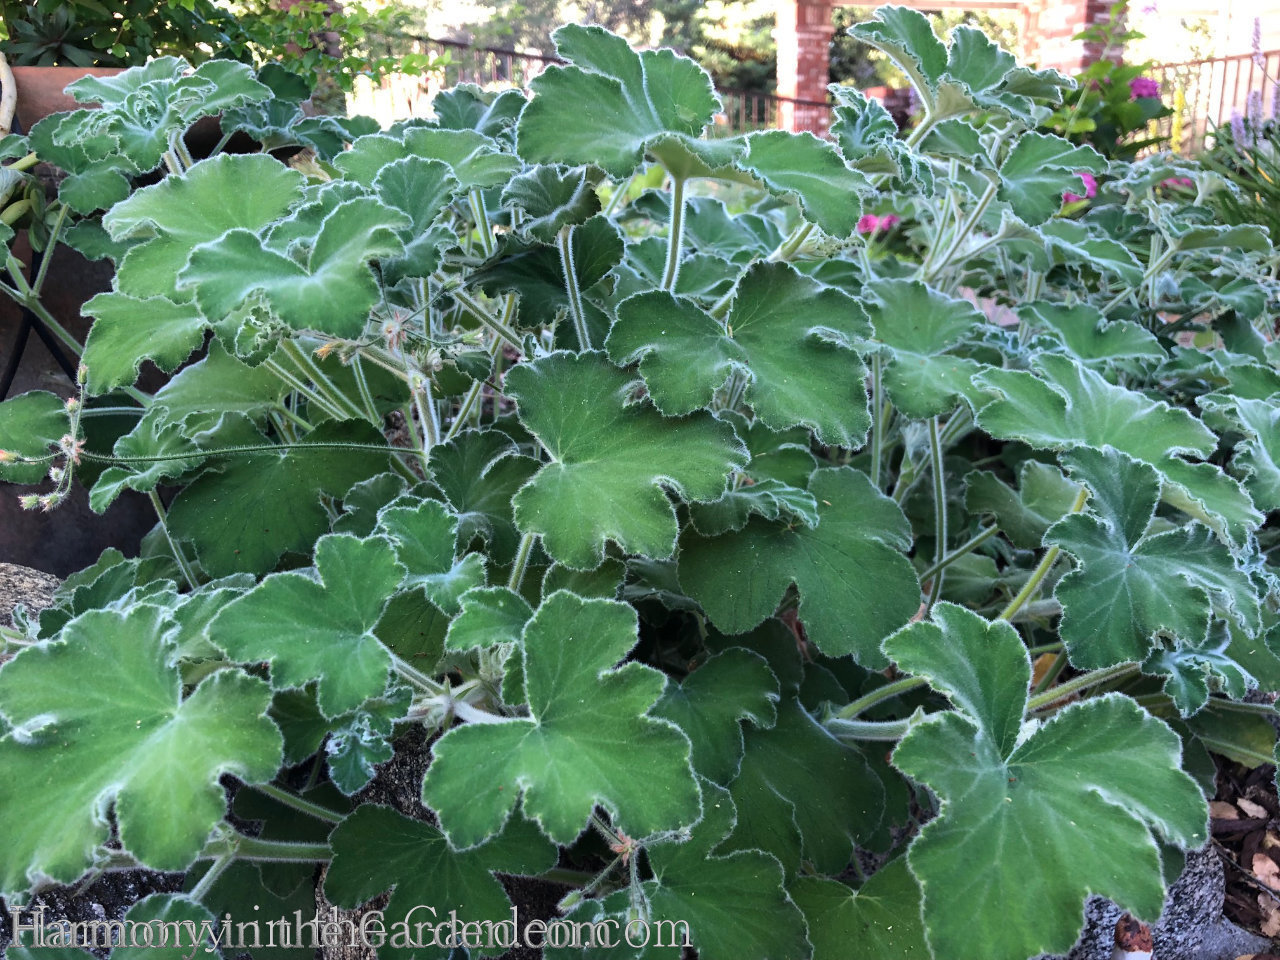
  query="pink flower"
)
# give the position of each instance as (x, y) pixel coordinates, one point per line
(1173, 182)
(868, 223)
(1142, 87)
(1090, 188)
(889, 221)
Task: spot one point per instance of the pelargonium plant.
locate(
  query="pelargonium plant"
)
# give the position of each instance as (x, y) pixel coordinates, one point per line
(718, 565)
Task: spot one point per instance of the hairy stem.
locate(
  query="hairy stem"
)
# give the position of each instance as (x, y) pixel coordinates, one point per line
(296, 802)
(521, 561)
(188, 573)
(939, 511)
(1082, 682)
(1042, 570)
(977, 540)
(481, 217)
(877, 420)
(564, 243)
(676, 237)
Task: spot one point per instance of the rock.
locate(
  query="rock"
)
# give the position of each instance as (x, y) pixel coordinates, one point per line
(1191, 927)
(33, 588)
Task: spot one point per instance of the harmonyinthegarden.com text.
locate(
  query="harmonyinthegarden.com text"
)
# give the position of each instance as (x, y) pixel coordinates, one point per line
(420, 927)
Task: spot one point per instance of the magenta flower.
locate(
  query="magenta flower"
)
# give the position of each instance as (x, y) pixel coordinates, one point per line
(868, 223)
(889, 221)
(1143, 87)
(1173, 182)
(1090, 188)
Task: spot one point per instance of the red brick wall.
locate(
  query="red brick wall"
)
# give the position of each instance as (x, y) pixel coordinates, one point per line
(804, 37)
(1049, 25)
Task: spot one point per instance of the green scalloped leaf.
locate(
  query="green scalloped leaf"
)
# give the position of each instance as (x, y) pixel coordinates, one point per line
(126, 331)
(377, 849)
(918, 327)
(813, 171)
(319, 625)
(789, 336)
(1064, 405)
(588, 741)
(1088, 335)
(1039, 168)
(330, 290)
(152, 437)
(1130, 587)
(607, 472)
(710, 703)
(127, 741)
(610, 102)
(553, 197)
(425, 537)
(478, 473)
(1043, 497)
(880, 922)
(855, 584)
(1190, 669)
(1257, 456)
(31, 424)
(1084, 790)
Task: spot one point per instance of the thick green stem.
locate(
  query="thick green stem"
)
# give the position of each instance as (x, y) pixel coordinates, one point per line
(275, 851)
(481, 217)
(1147, 276)
(977, 540)
(68, 341)
(855, 730)
(299, 385)
(323, 384)
(188, 573)
(939, 510)
(366, 395)
(1042, 570)
(216, 869)
(471, 306)
(966, 228)
(297, 803)
(792, 244)
(877, 420)
(676, 237)
(521, 562)
(1082, 682)
(564, 243)
(879, 695)
(417, 678)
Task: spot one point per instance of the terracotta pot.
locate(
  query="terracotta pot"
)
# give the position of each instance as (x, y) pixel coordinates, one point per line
(40, 90)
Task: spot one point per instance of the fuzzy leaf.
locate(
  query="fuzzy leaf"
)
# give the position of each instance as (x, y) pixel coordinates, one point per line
(855, 585)
(1067, 405)
(152, 437)
(245, 517)
(376, 849)
(30, 425)
(1037, 171)
(732, 686)
(425, 538)
(1257, 457)
(611, 102)
(318, 625)
(791, 337)
(588, 740)
(1088, 335)
(127, 331)
(125, 741)
(608, 461)
(478, 472)
(1128, 587)
(766, 498)
(489, 615)
(1188, 670)
(1084, 789)
(553, 197)
(812, 170)
(880, 922)
(331, 291)
(1043, 497)
(918, 326)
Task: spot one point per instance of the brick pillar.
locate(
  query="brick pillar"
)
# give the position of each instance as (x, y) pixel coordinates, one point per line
(803, 36)
(1049, 25)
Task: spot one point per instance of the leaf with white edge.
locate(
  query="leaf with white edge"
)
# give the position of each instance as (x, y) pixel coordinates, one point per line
(855, 584)
(377, 849)
(244, 517)
(907, 37)
(193, 921)
(318, 625)
(1257, 455)
(709, 705)
(362, 741)
(476, 161)
(588, 741)
(1088, 335)
(553, 197)
(127, 331)
(766, 498)
(783, 456)
(534, 270)
(1200, 236)
(610, 102)
(696, 897)
(1189, 669)
(425, 537)
(360, 504)
(331, 292)
(126, 741)
(802, 795)
(490, 615)
(880, 922)
(812, 170)
(421, 190)
(1039, 168)
(152, 437)
(1073, 242)
(977, 62)
(1084, 789)
(478, 472)
(918, 326)
(31, 424)
(1064, 405)
(469, 107)
(1043, 497)
(171, 218)
(610, 462)
(1130, 587)
(790, 336)
(199, 395)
